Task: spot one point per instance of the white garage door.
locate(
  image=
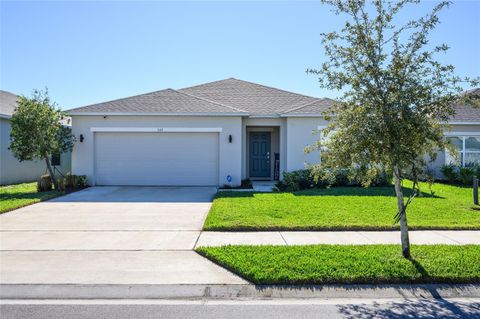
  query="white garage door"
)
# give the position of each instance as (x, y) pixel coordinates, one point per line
(176, 159)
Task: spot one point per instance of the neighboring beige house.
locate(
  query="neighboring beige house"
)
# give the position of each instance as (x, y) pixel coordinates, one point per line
(210, 134)
(12, 171)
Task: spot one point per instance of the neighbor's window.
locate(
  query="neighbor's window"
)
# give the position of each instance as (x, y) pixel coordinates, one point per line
(469, 150)
(55, 161)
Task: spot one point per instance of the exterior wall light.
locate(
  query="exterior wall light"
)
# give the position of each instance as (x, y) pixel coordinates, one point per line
(81, 138)
(230, 138)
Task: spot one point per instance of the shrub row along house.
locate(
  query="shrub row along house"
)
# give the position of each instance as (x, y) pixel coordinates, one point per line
(214, 134)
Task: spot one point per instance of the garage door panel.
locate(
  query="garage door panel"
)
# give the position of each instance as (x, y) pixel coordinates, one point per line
(156, 158)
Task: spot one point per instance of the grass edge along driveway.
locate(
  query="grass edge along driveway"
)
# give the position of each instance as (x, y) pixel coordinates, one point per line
(20, 195)
(349, 264)
(342, 208)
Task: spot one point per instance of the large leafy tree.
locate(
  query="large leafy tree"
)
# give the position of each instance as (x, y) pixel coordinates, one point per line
(38, 130)
(396, 98)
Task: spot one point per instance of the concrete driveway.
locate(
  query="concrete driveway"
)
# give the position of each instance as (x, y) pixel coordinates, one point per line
(110, 235)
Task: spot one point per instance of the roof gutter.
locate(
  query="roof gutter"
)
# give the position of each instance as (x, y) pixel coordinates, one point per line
(155, 113)
(463, 123)
(302, 115)
(264, 116)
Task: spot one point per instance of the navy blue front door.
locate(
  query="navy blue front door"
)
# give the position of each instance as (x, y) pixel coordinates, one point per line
(259, 154)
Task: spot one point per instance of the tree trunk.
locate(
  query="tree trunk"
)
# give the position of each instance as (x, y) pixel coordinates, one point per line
(52, 173)
(402, 213)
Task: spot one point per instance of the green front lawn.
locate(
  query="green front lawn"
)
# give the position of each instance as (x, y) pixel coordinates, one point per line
(342, 208)
(333, 264)
(19, 195)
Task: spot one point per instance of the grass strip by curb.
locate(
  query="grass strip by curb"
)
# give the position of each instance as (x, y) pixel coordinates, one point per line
(349, 264)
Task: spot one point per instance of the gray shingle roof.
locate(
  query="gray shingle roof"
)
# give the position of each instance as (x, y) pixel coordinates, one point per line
(316, 107)
(164, 101)
(8, 103)
(254, 98)
(233, 96)
(225, 96)
(467, 113)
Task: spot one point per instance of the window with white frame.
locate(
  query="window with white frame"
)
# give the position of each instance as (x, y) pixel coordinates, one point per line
(468, 147)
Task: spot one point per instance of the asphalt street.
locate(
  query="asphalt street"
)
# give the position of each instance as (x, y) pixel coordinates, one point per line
(277, 309)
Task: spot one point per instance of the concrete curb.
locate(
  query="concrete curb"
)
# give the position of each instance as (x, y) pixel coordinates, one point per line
(74, 291)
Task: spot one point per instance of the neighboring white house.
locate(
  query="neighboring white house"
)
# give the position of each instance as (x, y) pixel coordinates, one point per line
(210, 134)
(12, 171)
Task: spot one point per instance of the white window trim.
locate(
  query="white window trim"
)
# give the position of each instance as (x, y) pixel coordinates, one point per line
(462, 134)
(464, 123)
(158, 129)
(463, 152)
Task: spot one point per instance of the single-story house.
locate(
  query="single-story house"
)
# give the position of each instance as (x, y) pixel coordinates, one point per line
(12, 171)
(210, 134)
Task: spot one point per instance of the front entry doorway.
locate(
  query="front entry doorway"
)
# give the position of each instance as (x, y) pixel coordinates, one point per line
(260, 153)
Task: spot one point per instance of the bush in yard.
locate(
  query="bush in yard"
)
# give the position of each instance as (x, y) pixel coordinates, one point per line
(319, 177)
(476, 169)
(37, 131)
(82, 181)
(449, 171)
(296, 180)
(343, 177)
(73, 182)
(60, 184)
(347, 177)
(382, 179)
(246, 183)
(465, 175)
(44, 184)
(70, 181)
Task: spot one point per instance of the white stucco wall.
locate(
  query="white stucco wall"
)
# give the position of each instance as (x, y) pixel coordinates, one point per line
(12, 171)
(291, 135)
(299, 135)
(230, 154)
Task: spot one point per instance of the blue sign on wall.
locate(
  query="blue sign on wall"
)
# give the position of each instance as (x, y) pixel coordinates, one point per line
(229, 178)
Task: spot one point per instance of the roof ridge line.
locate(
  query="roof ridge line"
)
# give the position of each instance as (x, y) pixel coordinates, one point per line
(274, 88)
(250, 82)
(209, 101)
(301, 106)
(202, 84)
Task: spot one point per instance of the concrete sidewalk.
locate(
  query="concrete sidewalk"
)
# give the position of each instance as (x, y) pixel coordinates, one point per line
(286, 238)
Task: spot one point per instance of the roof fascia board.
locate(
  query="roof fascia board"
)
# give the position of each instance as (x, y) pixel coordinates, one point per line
(153, 113)
(464, 123)
(264, 116)
(302, 115)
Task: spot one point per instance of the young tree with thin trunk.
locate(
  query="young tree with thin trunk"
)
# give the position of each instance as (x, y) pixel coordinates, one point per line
(37, 130)
(397, 98)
